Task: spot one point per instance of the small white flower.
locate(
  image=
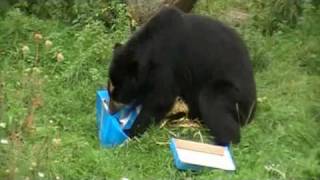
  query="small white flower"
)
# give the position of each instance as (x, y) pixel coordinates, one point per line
(37, 37)
(57, 178)
(50, 121)
(40, 174)
(261, 99)
(3, 125)
(25, 50)
(48, 44)
(27, 70)
(4, 141)
(56, 141)
(36, 70)
(124, 178)
(59, 57)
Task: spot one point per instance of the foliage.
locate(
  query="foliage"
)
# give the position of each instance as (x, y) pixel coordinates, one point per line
(268, 15)
(74, 11)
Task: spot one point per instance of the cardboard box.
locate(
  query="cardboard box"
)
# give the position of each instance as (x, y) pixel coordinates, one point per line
(189, 155)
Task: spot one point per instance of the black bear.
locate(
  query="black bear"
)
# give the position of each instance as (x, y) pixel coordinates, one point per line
(194, 57)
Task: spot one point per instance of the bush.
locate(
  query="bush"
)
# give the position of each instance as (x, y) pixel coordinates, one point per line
(269, 15)
(74, 11)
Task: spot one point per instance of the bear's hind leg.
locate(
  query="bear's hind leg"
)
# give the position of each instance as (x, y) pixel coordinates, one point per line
(218, 112)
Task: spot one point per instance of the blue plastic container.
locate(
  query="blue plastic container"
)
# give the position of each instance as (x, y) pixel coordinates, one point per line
(110, 129)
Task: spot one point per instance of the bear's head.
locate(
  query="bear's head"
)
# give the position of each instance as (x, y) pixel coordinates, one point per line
(123, 77)
(134, 63)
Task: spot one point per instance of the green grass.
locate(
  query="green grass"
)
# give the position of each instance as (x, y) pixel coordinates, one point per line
(281, 143)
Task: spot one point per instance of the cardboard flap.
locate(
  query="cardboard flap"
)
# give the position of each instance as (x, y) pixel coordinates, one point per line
(200, 147)
(189, 153)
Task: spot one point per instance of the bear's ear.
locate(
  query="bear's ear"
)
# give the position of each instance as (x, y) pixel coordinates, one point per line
(117, 46)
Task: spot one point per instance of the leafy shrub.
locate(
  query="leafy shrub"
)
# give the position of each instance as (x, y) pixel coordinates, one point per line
(309, 55)
(269, 15)
(74, 11)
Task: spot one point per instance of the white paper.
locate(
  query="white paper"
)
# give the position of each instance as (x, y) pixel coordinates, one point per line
(205, 159)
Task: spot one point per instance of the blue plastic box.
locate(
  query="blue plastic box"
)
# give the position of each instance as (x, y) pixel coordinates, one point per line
(111, 130)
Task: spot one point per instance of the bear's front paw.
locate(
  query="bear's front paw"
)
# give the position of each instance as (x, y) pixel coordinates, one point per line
(134, 131)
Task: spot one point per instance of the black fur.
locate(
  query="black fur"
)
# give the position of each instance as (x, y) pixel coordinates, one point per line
(194, 57)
